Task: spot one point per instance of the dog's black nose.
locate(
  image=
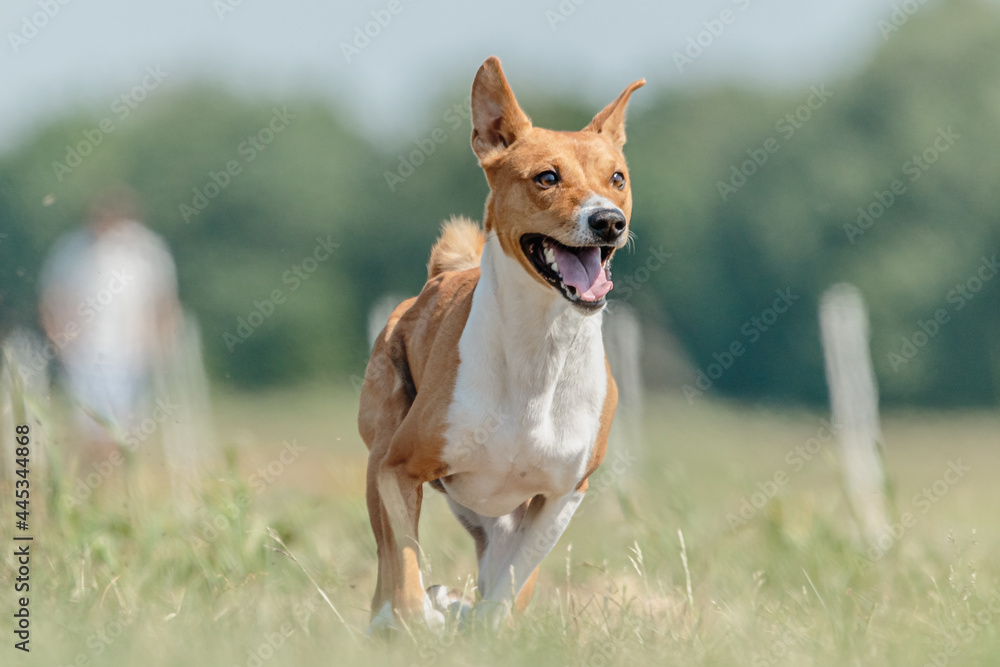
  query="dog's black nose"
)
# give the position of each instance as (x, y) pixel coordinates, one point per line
(607, 223)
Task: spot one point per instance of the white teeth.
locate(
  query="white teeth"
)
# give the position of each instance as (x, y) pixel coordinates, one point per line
(550, 258)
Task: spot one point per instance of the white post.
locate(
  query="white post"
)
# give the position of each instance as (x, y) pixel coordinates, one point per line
(378, 315)
(623, 345)
(24, 399)
(188, 435)
(854, 402)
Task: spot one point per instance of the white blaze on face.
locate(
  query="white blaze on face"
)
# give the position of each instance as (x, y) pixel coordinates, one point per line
(592, 205)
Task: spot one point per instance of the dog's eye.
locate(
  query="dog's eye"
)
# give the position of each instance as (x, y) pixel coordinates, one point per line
(618, 180)
(547, 179)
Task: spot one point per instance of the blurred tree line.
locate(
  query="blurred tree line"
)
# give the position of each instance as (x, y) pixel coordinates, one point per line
(886, 178)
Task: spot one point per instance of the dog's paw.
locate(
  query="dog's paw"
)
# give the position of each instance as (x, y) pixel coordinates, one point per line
(494, 614)
(382, 621)
(434, 618)
(385, 620)
(450, 603)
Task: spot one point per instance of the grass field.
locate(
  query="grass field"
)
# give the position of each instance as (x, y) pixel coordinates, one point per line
(127, 578)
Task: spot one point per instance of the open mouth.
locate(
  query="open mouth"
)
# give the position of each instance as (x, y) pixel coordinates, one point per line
(581, 274)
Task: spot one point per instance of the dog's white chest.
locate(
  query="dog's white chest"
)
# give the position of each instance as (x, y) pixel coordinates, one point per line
(507, 451)
(526, 409)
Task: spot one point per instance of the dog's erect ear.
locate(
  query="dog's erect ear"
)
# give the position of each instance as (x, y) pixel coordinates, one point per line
(497, 120)
(611, 119)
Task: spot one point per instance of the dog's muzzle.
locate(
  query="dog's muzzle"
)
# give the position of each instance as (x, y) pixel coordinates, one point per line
(607, 224)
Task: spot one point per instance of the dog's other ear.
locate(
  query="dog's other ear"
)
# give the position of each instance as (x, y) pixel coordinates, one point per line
(497, 120)
(611, 119)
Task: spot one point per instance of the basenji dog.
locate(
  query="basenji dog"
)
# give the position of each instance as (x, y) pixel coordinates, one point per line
(492, 384)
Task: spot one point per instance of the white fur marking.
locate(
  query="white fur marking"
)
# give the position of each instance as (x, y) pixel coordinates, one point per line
(529, 393)
(584, 235)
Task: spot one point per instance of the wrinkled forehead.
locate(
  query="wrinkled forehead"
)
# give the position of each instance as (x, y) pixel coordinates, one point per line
(571, 152)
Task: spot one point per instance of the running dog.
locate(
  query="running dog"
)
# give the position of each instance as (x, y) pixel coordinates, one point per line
(492, 384)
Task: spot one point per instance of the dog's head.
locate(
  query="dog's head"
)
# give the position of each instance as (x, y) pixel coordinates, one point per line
(559, 202)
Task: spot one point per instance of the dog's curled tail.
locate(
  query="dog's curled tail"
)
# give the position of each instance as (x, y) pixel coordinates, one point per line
(458, 248)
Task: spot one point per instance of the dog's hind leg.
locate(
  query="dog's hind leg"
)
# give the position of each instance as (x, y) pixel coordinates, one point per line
(381, 609)
(401, 495)
(393, 494)
(394, 500)
(396, 474)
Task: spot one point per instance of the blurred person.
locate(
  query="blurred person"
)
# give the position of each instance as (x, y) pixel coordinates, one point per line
(109, 306)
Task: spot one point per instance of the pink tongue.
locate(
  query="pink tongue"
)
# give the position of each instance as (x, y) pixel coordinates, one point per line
(583, 271)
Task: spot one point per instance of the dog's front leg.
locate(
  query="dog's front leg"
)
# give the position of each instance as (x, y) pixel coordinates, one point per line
(401, 496)
(512, 556)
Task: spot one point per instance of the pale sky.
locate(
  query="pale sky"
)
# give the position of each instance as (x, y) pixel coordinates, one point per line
(92, 51)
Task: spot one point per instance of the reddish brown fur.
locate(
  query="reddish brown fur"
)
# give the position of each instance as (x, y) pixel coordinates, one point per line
(405, 435)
